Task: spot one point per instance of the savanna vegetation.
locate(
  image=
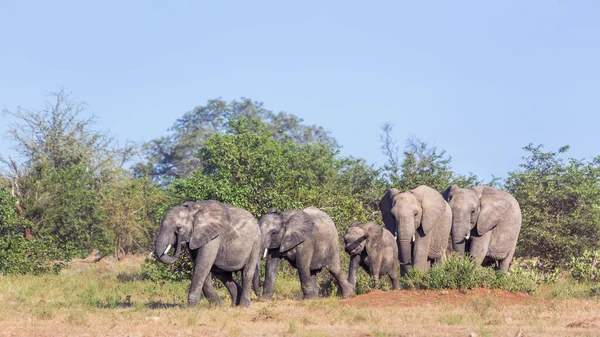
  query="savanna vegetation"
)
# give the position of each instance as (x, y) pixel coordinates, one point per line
(74, 190)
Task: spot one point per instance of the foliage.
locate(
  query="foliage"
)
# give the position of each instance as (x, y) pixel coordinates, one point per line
(458, 272)
(8, 219)
(173, 156)
(421, 164)
(248, 168)
(155, 271)
(35, 256)
(62, 189)
(586, 268)
(132, 208)
(560, 203)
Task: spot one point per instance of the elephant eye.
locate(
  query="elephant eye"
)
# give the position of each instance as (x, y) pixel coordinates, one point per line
(473, 211)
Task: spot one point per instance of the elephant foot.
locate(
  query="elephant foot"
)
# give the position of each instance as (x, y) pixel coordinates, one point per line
(310, 296)
(193, 302)
(267, 297)
(244, 303)
(348, 292)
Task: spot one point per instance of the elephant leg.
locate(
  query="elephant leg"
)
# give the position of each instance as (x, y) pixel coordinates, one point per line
(313, 284)
(304, 272)
(248, 279)
(335, 268)
(256, 281)
(394, 280)
(234, 289)
(209, 291)
(421, 252)
(205, 258)
(505, 264)
(479, 247)
(353, 270)
(375, 269)
(271, 268)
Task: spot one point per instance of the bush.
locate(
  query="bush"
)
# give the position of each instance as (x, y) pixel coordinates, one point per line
(457, 272)
(587, 267)
(36, 256)
(154, 270)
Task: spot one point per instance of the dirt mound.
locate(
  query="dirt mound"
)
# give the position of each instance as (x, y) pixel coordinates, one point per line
(436, 297)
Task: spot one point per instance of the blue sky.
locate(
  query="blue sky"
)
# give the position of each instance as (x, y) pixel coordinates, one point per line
(479, 79)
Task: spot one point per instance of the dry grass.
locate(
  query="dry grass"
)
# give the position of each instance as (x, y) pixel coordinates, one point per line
(106, 300)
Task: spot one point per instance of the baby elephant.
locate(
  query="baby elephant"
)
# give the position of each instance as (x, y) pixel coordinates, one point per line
(374, 248)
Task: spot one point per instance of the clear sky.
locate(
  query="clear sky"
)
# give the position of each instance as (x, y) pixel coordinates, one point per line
(480, 79)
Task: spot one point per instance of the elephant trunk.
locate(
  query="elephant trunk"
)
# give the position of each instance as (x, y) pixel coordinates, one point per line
(460, 235)
(161, 251)
(405, 249)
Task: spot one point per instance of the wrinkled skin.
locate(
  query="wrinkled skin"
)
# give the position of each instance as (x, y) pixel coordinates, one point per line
(421, 220)
(373, 248)
(221, 239)
(308, 240)
(486, 223)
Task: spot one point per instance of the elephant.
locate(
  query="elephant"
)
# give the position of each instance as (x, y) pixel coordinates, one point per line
(373, 248)
(420, 220)
(308, 240)
(485, 223)
(222, 239)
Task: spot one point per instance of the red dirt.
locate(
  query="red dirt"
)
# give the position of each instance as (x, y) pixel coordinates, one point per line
(408, 298)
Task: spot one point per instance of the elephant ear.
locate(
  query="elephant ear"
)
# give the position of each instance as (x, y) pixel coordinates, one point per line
(208, 222)
(493, 205)
(374, 238)
(447, 195)
(432, 206)
(354, 224)
(298, 226)
(355, 233)
(385, 206)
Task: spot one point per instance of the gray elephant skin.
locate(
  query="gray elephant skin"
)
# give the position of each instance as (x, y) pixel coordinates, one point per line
(309, 241)
(486, 223)
(221, 239)
(373, 248)
(421, 221)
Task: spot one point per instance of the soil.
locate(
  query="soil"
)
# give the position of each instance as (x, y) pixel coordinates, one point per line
(407, 298)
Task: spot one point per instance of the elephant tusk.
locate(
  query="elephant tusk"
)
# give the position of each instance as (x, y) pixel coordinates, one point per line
(265, 253)
(413, 238)
(395, 234)
(468, 236)
(167, 250)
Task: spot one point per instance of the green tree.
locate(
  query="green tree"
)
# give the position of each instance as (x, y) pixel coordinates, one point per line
(174, 155)
(560, 203)
(66, 167)
(131, 208)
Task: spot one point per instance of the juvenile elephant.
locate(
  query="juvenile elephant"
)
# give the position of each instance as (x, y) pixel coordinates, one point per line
(420, 220)
(374, 249)
(487, 220)
(222, 239)
(309, 241)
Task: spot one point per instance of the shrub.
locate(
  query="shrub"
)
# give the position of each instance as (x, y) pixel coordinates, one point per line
(587, 267)
(457, 272)
(36, 256)
(154, 270)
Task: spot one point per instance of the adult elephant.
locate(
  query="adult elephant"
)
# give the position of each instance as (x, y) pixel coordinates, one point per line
(420, 220)
(308, 240)
(488, 220)
(222, 239)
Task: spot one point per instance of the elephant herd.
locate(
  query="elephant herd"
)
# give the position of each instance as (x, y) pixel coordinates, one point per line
(421, 227)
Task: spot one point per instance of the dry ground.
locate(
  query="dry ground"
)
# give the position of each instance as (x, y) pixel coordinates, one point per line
(90, 300)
